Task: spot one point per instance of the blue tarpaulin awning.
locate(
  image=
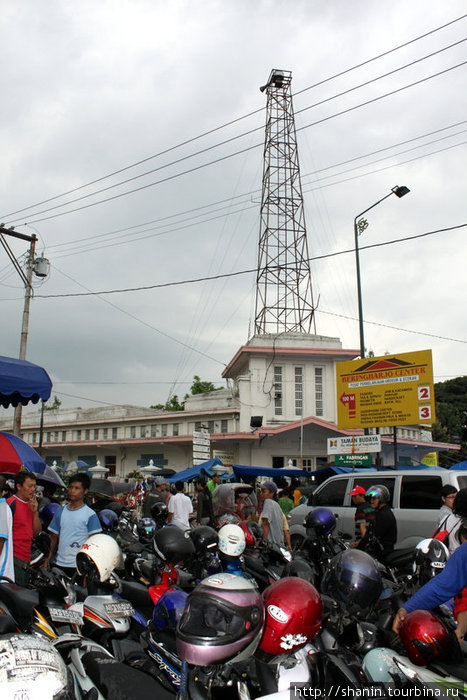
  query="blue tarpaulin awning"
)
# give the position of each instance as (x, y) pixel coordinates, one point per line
(459, 466)
(193, 472)
(22, 382)
(251, 472)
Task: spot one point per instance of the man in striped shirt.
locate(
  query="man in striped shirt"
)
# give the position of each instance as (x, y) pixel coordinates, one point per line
(364, 513)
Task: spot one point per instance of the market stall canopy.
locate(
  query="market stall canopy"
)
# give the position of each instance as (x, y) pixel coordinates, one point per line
(22, 382)
(194, 472)
(241, 471)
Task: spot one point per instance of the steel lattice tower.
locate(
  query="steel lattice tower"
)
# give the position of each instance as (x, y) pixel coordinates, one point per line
(284, 299)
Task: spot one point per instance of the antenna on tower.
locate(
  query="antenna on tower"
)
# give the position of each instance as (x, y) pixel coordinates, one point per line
(284, 299)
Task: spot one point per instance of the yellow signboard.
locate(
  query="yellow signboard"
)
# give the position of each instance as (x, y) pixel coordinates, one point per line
(388, 390)
(430, 459)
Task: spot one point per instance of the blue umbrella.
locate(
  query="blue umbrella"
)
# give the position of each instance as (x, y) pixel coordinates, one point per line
(75, 465)
(15, 453)
(22, 382)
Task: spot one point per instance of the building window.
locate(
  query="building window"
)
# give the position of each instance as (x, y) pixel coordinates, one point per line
(87, 434)
(175, 429)
(198, 425)
(105, 433)
(34, 437)
(299, 391)
(96, 433)
(153, 431)
(142, 431)
(319, 391)
(277, 388)
(63, 435)
(56, 436)
(164, 430)
(224, 426)
(132, 431)
(114, 433)
(210, 426)
(47, 437)
(78, 434)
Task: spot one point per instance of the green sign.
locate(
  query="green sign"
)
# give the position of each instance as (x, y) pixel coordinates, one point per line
(353, 460)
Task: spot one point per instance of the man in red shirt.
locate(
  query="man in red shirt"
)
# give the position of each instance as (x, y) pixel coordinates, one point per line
(26, 524)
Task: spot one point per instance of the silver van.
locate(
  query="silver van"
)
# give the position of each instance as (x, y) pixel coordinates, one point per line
(415, 502)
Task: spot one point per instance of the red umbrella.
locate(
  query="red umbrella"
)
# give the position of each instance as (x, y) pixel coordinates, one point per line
(15, 453)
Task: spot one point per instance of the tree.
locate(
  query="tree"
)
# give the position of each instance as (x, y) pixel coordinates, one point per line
(199, 386)
(54, 406)
(202, 387)
(173, 404)
(451, 414)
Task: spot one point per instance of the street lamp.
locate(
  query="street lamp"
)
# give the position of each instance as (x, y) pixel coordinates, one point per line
(359, 226)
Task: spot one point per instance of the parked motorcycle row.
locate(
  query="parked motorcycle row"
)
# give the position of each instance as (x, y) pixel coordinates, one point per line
(158, 612)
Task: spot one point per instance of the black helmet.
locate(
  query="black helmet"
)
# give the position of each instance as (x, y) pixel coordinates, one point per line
(159, 512)
(204, 538)
(379, 491)
(173, 545)
(299, 568)
(353, 578)
(146, 530)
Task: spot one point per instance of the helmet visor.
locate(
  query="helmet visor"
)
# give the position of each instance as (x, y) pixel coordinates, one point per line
(211, 620)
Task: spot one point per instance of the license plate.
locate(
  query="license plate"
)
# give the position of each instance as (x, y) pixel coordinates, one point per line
(65, 615)
(120, 609)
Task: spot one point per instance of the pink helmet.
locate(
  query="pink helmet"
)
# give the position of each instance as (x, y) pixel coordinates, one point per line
(222, 621)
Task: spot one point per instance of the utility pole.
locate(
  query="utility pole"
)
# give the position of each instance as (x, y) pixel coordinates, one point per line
(27, 281)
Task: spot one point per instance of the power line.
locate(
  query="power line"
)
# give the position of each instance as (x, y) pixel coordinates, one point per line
(231, 122)
(76, 248)
(247, 133)
(241, 151)
(114, 233)
(238, 273)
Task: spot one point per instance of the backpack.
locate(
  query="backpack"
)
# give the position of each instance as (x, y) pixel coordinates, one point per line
(441, 533)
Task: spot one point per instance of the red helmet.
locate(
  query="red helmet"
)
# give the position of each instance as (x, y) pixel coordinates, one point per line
(293, 610)
(252, 532)
(426, 638)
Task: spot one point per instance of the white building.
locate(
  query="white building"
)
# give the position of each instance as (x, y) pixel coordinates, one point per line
(279, 408)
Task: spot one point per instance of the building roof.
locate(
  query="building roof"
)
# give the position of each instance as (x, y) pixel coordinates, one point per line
(293, 350)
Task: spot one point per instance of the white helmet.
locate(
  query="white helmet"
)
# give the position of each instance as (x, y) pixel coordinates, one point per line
(31, 667)
(231, 540)
(103, 552)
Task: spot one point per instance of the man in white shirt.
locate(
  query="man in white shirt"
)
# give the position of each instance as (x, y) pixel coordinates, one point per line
(6, 537)
(180, 508)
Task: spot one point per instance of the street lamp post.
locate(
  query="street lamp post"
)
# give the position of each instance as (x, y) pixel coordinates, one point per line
(359, 226)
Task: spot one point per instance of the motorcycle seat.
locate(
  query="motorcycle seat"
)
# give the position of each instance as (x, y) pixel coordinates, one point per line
(398, 557)
(117, 680)
(456, 670)
(136, 593)
(19, 601)
(253, 563)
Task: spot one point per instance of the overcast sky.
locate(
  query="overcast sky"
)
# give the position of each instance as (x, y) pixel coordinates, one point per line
(89, 89)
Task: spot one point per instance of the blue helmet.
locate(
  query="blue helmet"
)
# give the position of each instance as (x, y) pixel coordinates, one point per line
(322, 520)
(108, 519)
(48, 512)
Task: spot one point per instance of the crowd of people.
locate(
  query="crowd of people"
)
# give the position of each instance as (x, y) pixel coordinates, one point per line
(375, 528)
